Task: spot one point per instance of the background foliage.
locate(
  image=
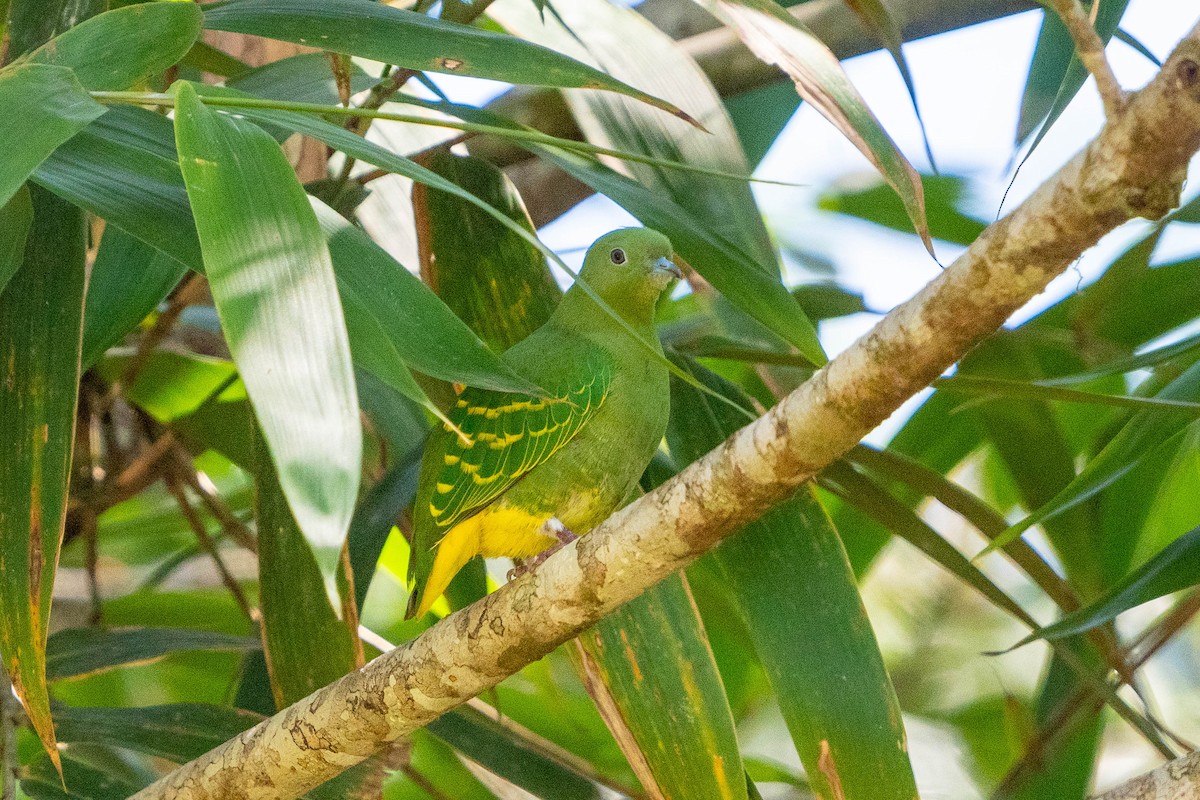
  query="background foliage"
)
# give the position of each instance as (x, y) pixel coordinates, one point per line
(223, 356)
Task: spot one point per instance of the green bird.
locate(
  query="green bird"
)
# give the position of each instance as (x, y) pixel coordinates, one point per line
(527, 473)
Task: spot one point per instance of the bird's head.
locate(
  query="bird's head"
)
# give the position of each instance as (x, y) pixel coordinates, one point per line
(630, 268)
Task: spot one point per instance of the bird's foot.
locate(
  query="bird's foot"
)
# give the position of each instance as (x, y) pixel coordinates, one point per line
(552, 527)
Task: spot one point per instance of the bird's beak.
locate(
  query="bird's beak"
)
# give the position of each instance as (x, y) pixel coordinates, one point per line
(667, 265)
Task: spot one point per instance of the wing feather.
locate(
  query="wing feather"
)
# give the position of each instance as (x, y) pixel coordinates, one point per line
(509, 435)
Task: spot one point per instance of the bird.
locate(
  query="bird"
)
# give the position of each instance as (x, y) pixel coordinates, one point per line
(520, 475)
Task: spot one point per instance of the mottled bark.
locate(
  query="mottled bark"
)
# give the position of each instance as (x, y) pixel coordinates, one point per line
(1177, 780)
(1134, 168)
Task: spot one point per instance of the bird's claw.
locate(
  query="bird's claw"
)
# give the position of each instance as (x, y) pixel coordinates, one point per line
(555, 528)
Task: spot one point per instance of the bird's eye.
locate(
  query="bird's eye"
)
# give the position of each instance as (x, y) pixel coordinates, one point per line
(617, 256)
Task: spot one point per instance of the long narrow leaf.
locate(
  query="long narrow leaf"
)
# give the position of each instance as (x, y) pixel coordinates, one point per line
(881, 22)
(1174, 568)
(271, 277)
(129, 279)
(119, 48)
(43, 106)
(413, 41)
(1146, 431)
(421, 328)
(651, 671)
(15, 217)
(82, 652)
(794, 585)
(777, 38)
(305, 643)
(123, 168)
(41, 315)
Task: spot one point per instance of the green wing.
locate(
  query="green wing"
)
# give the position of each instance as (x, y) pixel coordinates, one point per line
(509, 434)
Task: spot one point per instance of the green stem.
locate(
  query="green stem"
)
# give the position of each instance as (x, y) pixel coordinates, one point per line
(523, 134)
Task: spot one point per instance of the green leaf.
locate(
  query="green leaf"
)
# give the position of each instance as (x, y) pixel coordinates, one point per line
(305, 643)
(43, 107)
(879, 204)
(123, 168)
(170, 385)
(1036, 390)
(270, 274)
(733, 273)
(877, 17)
(303, 78)
(493, 268)
(422, 330)
(797, 595)
(504, 750)
(41, 316)
(178, 732)
(81, 652)
(650, 669)
(1145, 432)
(778, 38)
(123, 47)
(15, 218)
(128, 281)
(207, 58)
(1174, 568)
(42, 781)
(624, 44)
(1056, 75)
(413, 41)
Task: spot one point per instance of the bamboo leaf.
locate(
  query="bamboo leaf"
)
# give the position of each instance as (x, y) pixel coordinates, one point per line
(650, 669)
(492, 269)
(881, 22)
(41, 316)
(82, 652)
(15, 218)
(129, 279)
(178, 732)
(423, 330)
(123, 168)
(1175, 567)
(1056, 74)
(413, 41)
(624, 44)
(1146, 431)
(797, 594)
(303, 78)
(513, 754)
(305, 643)
(269, 271)
(122, 47)
(777, 38)
(43, 106)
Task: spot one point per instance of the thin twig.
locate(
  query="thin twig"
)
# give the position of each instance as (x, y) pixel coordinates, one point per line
(210, 546)
(1157, 635)
(1091, 52)
(188, 294)
(234, 528)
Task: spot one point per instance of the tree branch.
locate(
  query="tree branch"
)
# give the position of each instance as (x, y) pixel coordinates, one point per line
(1177, 780)
(1090, 49)
(1134, 168)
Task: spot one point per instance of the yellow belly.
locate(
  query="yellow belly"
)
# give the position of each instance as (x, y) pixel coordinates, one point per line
(505, 531)
(501, 530)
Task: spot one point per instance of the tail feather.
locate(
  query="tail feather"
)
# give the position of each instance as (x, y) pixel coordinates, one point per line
(456, 548)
